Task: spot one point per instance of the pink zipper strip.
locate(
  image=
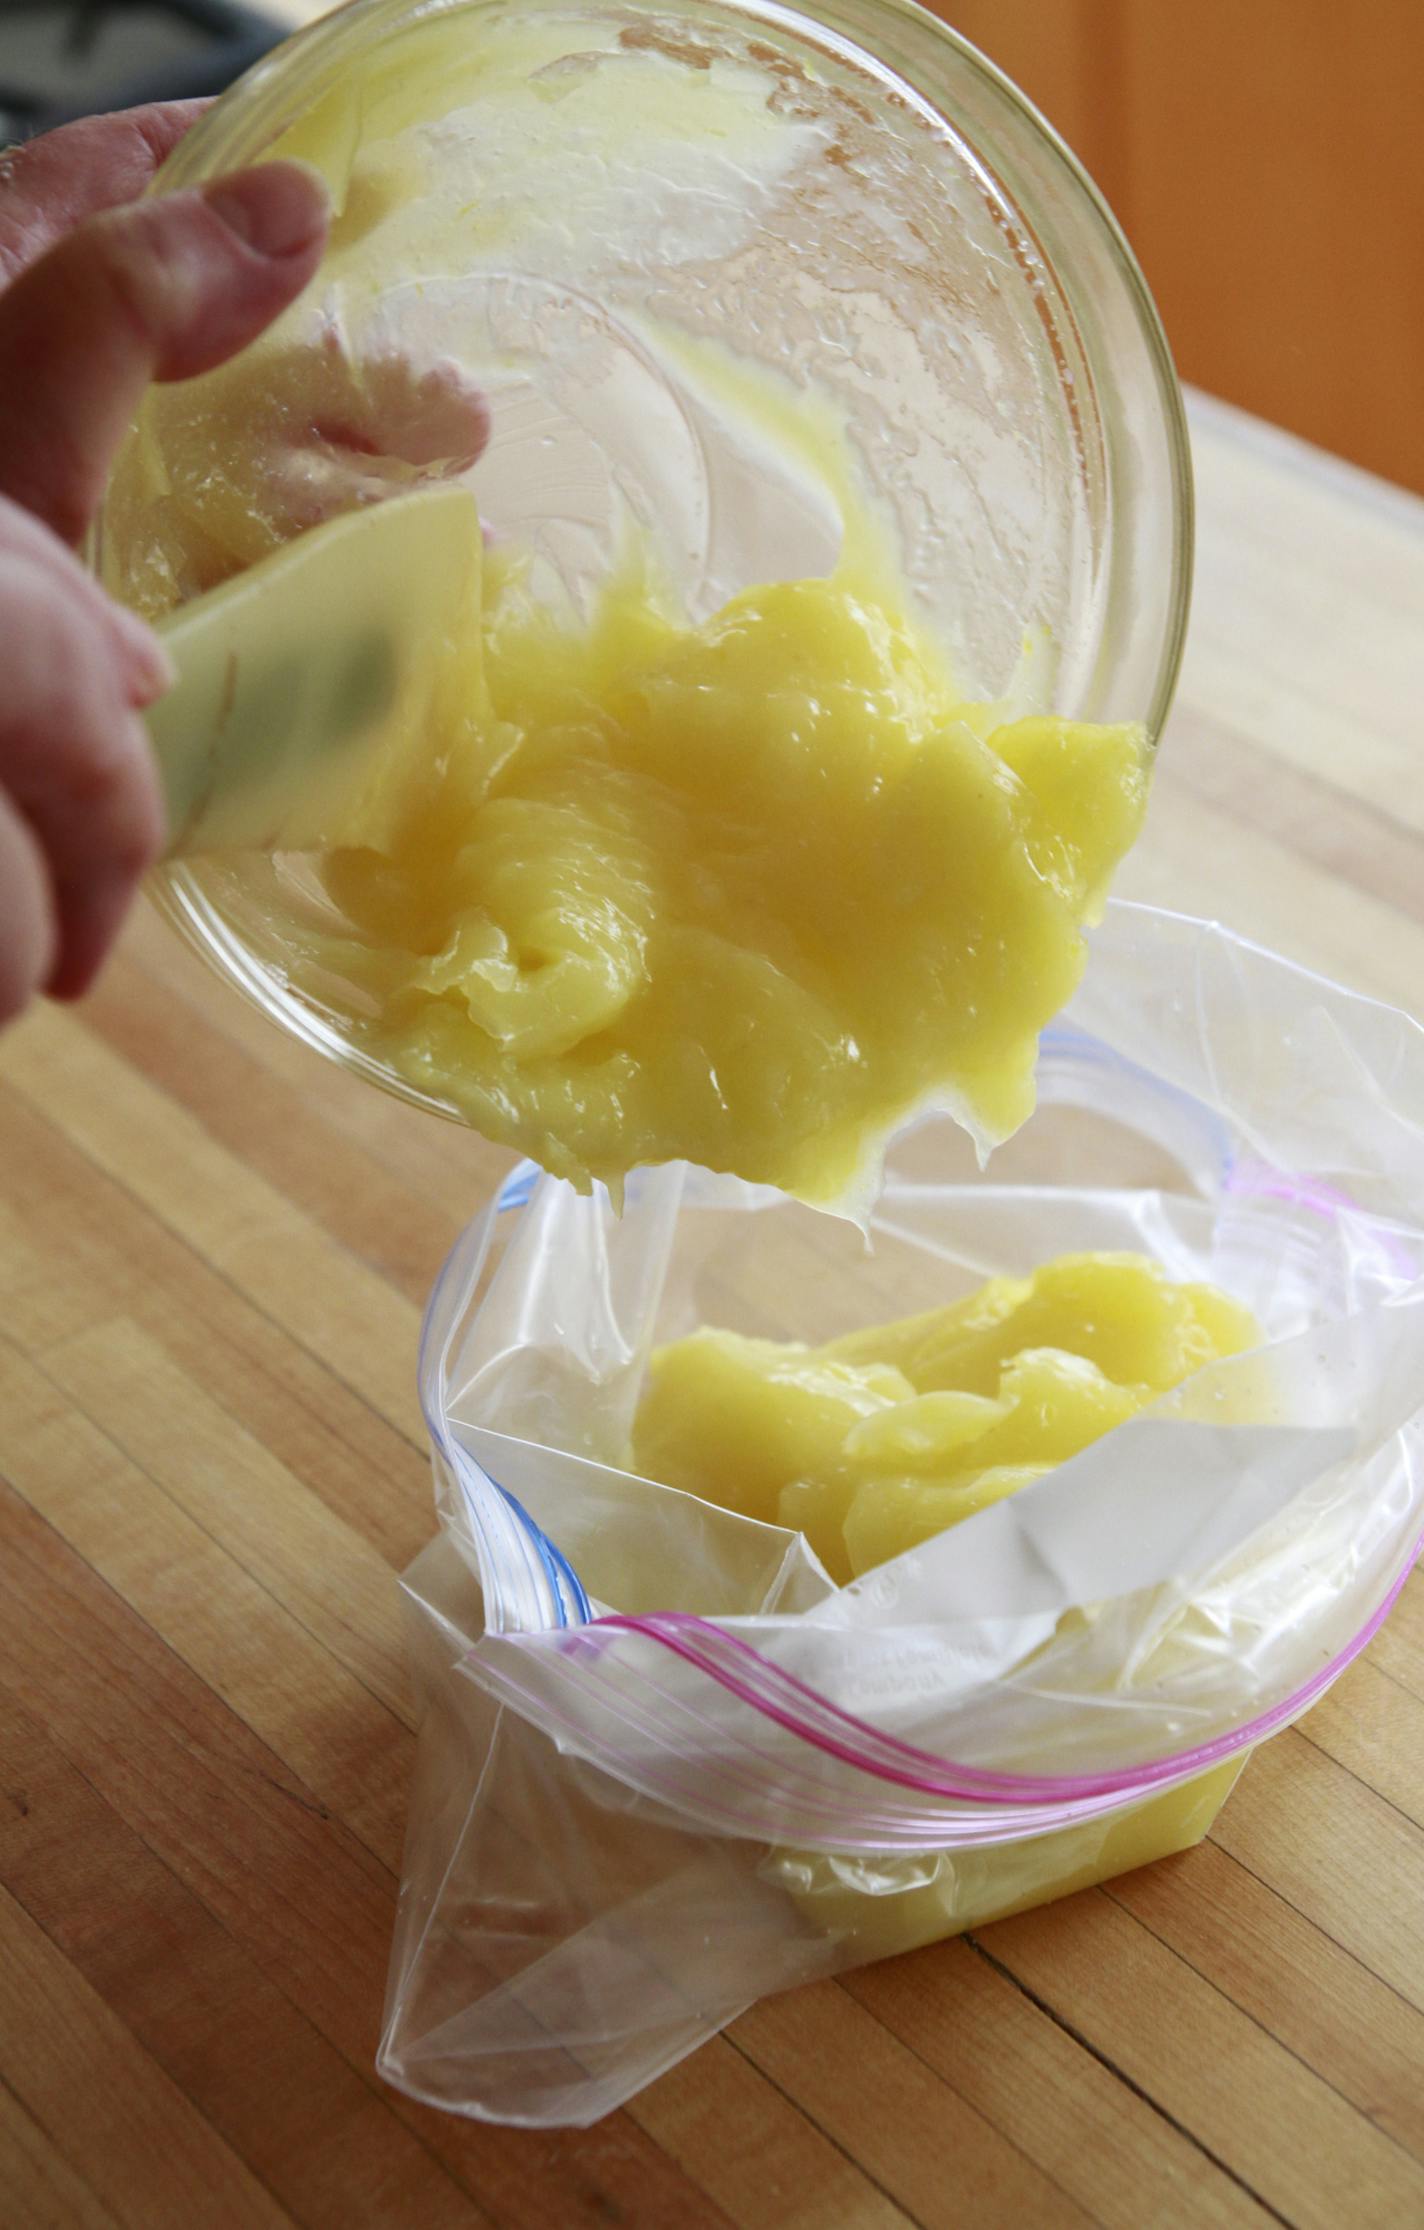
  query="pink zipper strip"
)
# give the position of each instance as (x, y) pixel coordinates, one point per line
(776, 1694)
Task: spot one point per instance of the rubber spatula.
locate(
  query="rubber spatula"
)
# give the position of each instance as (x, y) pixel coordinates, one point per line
(309, 688)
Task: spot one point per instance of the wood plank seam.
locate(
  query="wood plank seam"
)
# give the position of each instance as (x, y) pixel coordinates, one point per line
(95, 2210)
(272, 1780)
(900, 2091)
(1357, 2014)
(1118, 2153)
(1348, 837)
(371, 2084)
(1275, 1890)
(177, 974)
(1397, 1679)
(762, 2075)
(1060, 2021)
(239, 1292)
(286, 1608)
(204, 1195)
(1074, 2039)
(233, 1310)
(262, 1117)
(1400, 1811)
(978, 2111)
(406, 2110)
(1394, 1843)
(1321, 2074)
(305, 1798)
(156, 2076)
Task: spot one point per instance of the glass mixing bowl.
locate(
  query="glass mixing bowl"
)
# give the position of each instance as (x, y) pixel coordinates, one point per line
(674, 245)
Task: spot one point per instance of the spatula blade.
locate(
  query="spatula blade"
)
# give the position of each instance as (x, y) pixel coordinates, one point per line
(306, 685)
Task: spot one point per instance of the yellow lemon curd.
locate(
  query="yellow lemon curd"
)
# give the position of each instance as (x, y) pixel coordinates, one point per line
(745, 894)
(879, 1905)
(875, 1442)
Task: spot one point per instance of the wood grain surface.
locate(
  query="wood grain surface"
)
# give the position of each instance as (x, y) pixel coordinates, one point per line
(213, 1254)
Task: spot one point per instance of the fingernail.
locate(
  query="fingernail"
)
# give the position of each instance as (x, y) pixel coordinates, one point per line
(277, 210)
(151, 670)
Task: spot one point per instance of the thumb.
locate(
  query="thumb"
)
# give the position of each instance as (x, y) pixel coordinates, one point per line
(162, 289)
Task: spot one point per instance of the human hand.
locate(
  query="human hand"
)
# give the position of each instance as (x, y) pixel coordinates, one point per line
(101, 296)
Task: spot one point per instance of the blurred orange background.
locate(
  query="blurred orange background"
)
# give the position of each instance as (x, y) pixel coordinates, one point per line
(1266, 160)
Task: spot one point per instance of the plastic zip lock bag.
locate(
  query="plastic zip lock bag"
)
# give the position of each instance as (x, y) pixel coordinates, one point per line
(667, 1766)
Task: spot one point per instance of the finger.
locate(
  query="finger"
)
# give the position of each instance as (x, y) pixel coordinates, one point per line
(376, 425)
(93, 909)
(388, 406)
(53, 183)
(145, 667)
(78, 767)
(28, 935)
(161, 291)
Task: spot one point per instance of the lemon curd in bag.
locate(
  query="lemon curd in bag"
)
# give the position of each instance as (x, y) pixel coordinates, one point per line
(879, 1440)
(876, 1441)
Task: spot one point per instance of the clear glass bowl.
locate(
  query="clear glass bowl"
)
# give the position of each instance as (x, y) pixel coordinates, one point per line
(673, 244)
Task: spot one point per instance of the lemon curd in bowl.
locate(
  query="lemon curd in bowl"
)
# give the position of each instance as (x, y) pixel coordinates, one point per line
(838, 511)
